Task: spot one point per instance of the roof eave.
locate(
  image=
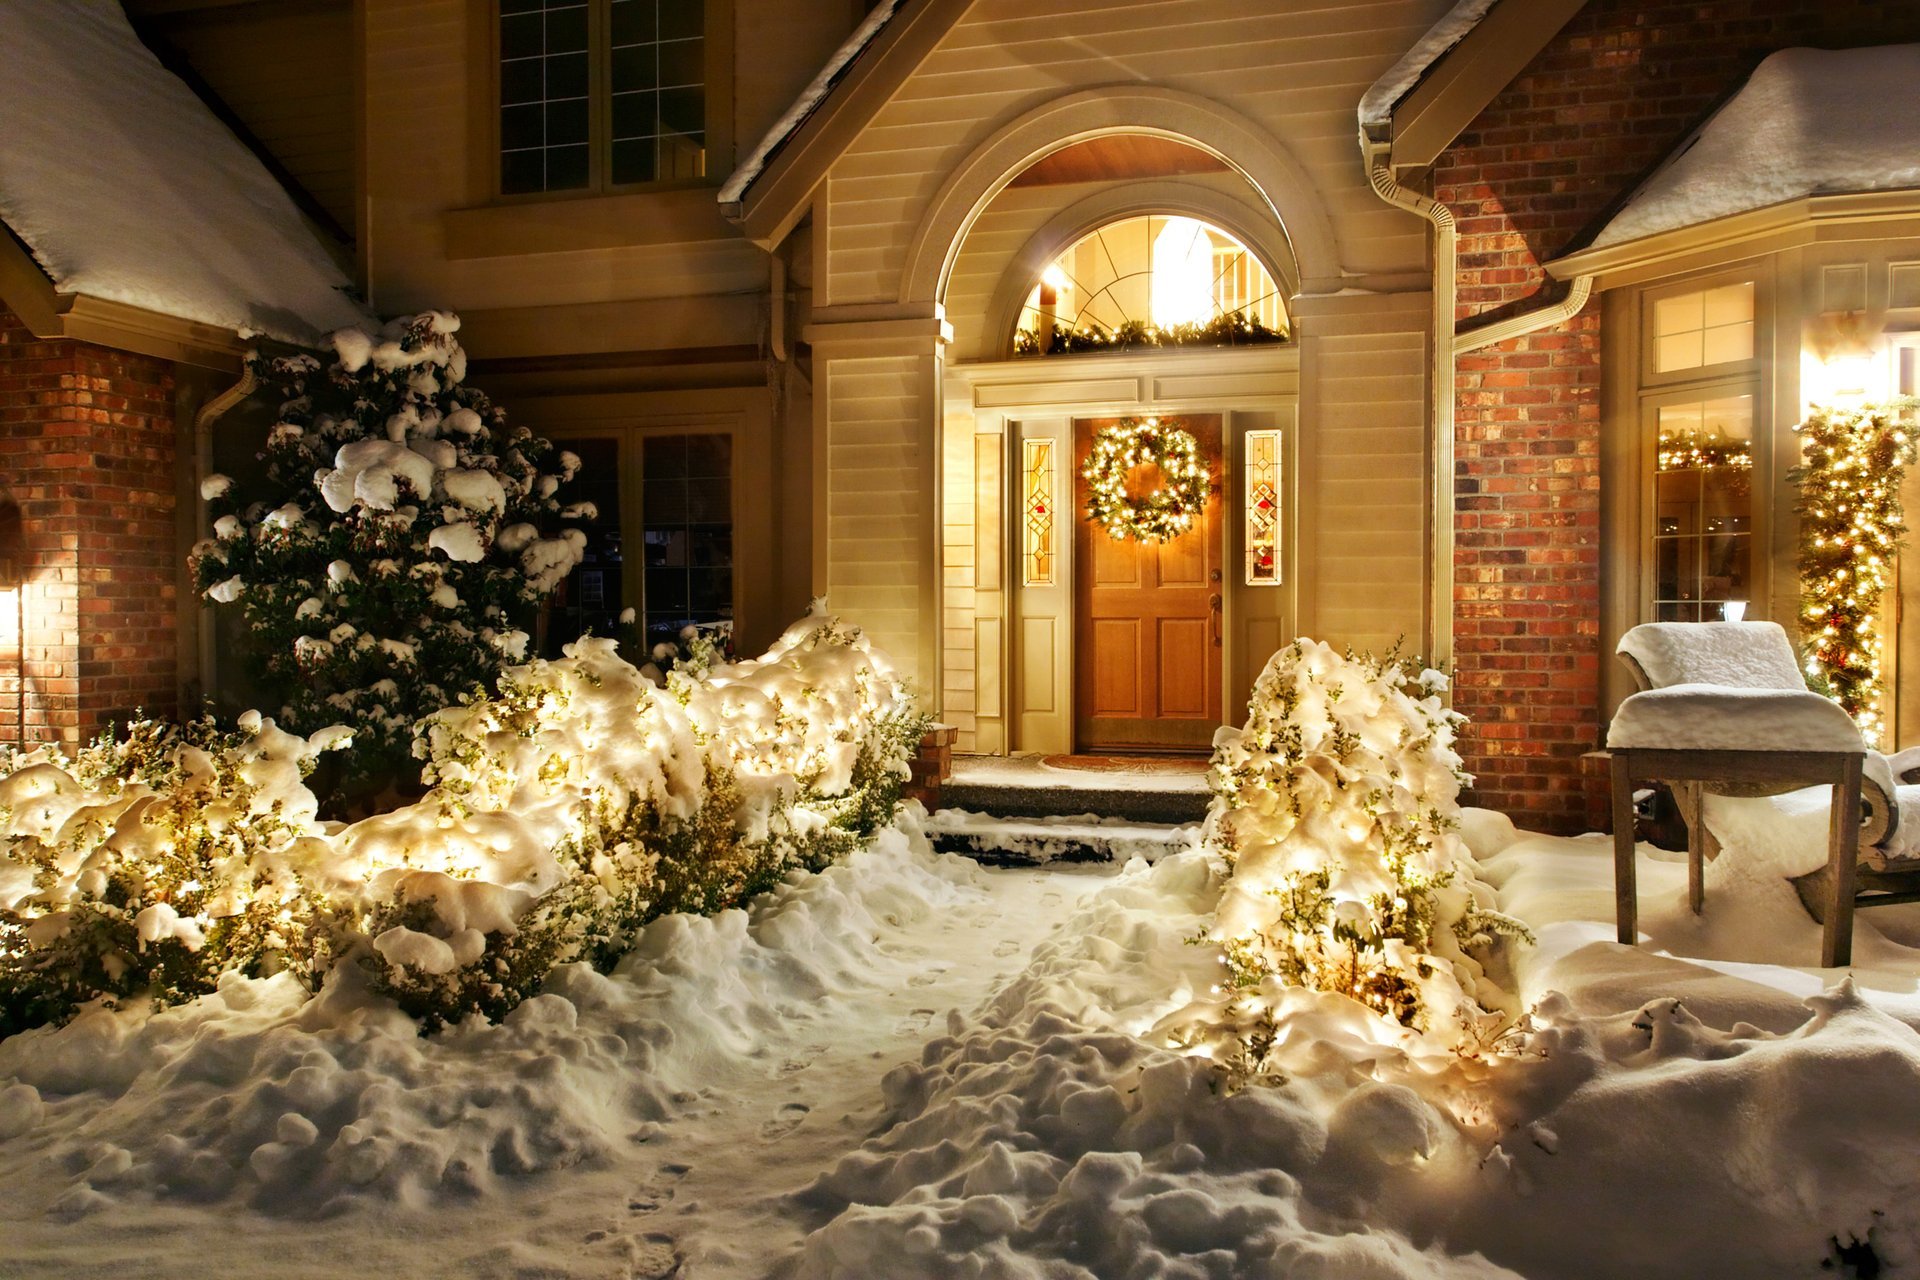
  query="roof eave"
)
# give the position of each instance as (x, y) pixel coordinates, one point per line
(1814, 219)
(48, 313)
(778, 197)
(1467, 77)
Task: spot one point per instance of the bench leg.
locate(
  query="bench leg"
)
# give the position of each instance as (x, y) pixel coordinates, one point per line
(1843, 856)
(1624, 889)
(1693, 811)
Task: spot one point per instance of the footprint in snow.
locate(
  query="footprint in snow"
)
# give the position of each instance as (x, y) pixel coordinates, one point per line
(786, 1122)
(656, 1192)
(1050, 899)
(1005, 948)
(928, 979)
(914, 1023)
(654, 1257)
(806, 1058)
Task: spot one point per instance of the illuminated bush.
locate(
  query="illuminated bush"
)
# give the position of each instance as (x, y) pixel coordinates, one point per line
(1337, 808)
(564, 811)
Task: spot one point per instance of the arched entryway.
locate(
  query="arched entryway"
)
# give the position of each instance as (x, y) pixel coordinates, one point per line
(1124, 278)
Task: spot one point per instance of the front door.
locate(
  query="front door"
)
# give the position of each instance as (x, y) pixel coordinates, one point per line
(1147, 629)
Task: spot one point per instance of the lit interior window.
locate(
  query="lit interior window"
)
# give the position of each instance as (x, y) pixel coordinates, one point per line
(1707, 327)
(1148, 281)
(1703, 509)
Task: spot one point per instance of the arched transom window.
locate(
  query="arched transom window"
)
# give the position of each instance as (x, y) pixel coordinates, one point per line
(1151, 280)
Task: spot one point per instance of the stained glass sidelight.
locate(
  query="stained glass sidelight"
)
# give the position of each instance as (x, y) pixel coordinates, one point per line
(1037, 511)
(1263, 508)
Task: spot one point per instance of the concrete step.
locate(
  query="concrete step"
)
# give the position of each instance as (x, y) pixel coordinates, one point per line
(1028, 788)
(1029, 842)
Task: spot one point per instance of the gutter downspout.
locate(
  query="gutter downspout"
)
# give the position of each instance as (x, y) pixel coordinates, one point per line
(1378, 155)
(1526, 322)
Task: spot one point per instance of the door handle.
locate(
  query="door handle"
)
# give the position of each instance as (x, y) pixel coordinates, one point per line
(1213, 604)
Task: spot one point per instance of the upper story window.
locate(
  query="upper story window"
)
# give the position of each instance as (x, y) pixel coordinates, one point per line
(1152, 280)
(596, 94)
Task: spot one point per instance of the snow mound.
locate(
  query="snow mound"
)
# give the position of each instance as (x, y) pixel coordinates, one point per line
(295, 1107)
(1052, 1137)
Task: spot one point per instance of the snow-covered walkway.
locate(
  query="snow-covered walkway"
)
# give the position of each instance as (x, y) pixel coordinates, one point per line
(773, 1039)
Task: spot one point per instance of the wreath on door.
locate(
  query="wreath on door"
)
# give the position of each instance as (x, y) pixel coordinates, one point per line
(1163, 513)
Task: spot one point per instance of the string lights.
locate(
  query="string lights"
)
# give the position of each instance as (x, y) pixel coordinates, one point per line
(1851, 524)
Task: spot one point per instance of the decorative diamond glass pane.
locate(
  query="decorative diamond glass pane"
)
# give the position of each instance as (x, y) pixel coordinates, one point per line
(1263, 508)
(1703, 503)
(1037, 511)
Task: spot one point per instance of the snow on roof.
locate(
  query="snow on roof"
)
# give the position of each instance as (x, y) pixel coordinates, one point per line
(1377, 104)
(808, 102)
(126, 187)
(1808, 122)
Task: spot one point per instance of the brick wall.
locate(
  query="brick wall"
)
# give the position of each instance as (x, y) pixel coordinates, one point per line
(1613, 93)
(87, 450)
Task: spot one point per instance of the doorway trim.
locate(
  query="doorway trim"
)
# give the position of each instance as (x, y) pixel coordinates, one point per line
(994, 665)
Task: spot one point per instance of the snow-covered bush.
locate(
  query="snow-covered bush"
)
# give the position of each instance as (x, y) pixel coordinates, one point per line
(1336, 807)
(153, 862)
(402, 528)
(565, 810)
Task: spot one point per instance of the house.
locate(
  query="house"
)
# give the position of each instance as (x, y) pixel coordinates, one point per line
(810, 286)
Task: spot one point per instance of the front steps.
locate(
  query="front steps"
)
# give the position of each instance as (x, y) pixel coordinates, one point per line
(1027, 812)
(1032, 842)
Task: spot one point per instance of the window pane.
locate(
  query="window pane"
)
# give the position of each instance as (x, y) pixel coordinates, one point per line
(680, 19)
(1703, 507)
(594, 593)
(682, 62)
(633, 22)
(635, 68)
(689, 532)
(633, 161)
(566, 168)
(1712, 326)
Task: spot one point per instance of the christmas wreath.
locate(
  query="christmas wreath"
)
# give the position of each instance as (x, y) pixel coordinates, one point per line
(1163, 514)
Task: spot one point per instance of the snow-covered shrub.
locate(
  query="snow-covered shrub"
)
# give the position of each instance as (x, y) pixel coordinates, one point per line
(565, 810)
(152, 862)
(582, 801)
(402, 528)
(1337, 807)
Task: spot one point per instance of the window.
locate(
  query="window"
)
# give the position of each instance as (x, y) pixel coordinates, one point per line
(1700, 401)
(1703, 510)
(1702, 328)
(682, 523)
(601, 93)
(1263, 508)
(1148, 280)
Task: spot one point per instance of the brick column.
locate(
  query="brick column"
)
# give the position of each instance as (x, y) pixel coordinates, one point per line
(87, 450)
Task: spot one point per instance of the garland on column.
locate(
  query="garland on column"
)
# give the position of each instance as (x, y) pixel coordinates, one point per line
(1165, 513)
(1851, 524)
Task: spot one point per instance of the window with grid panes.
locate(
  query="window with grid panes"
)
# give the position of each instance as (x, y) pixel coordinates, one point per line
(601, 93)
(1704, 452)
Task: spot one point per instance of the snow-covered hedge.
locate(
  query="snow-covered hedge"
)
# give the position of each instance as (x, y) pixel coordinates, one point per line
(567, 809)
(401, 530)
(1337, 809)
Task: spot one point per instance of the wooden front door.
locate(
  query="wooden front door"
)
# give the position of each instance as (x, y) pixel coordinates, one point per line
(1147, 630)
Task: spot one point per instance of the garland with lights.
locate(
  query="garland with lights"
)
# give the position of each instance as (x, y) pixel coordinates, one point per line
(1691, 450)
(1850, 525)
(1166, 512)
(1229, 329)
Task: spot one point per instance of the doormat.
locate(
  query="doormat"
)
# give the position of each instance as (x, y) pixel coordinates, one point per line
(1127, 764)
